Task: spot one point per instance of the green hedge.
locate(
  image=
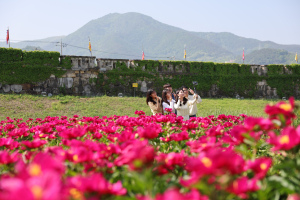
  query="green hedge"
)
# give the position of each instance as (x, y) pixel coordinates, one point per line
(230, 78)
(18, 67)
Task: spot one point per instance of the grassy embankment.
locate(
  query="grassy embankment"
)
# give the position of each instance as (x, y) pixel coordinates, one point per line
(25, 106)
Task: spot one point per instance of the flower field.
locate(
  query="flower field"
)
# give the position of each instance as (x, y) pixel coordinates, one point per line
(152, 157)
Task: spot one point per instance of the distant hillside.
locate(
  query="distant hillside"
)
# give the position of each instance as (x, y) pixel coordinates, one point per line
(268, 56)
(123, 36)
(43, 43)
(235, 44)
(32, 48)
(126, 34)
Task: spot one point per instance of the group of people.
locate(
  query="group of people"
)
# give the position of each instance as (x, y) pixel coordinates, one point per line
(180, 103)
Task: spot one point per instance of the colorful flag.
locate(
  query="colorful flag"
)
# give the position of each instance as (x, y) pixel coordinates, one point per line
(243, 55)
(296, 58)
(90, 46)
(143, 56)
(184, 53)
(7, 36)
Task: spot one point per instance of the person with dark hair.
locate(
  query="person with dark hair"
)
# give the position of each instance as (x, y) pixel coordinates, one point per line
(182, 104)
(167, 101)
(193, 108)
(168, 86)
(154, 102)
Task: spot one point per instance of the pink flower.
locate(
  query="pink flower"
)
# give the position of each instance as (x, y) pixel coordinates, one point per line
(243, 185)
(203, 143)
(47, 186)
(7, 158)
(149, 131)
(215, 130)
(16, 133)
(169, 161)
(174, 194)
(110, 129)
(287, 140)
(260, 166)
(189, 125)
(36, 143)
(9, 143)
(94, 184)
(73, 133)
(139, 112)
(136, 154)
(282, 108)
(179, 136)
(41, 162)
(293, 197)
(168, 110)
(255, 124)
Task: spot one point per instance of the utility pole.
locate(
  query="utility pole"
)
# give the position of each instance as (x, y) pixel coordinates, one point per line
(61, 45)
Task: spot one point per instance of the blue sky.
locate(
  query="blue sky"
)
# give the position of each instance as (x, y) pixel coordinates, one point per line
(274, 20)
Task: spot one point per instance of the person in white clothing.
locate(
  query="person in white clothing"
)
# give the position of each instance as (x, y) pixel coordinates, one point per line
(167, 100)
(182, 104)
(193, 108)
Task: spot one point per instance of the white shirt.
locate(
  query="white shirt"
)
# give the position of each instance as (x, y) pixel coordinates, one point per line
(165, 105)
(193, 107)
(183, 110)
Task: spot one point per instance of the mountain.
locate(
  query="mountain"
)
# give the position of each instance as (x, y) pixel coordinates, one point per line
(32, 48)
(126, 35)
(268, 56)
(235, 44)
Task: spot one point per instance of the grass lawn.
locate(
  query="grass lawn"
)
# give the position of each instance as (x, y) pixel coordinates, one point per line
(25, 106)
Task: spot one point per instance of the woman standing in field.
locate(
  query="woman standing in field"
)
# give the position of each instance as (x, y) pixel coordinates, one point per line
(167, 100)
(182, 104)
(154, 102)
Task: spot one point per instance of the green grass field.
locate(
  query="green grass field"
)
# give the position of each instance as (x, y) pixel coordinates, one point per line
(25, 106)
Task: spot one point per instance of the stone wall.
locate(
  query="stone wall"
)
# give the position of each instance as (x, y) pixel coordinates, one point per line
(78, 80)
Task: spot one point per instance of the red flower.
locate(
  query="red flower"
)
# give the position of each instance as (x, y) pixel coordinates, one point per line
(93, 184)
(73, 133)
(293, 197)
(287, 140)
(136, 154)
(47, 186)
(149, 131)
(168, 110)
(169, 161)
(243, 185)
(41, 162)
(139, 112)
(179, 136)
(8, 143)
(215, 130)
(203, 143)
(110, 129)
(174, 194)
(34, 144)
(6, 158)
(255, 124)
(260, 166)
(282, 108)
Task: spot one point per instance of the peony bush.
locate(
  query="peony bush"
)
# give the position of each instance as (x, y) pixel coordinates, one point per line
(157, 157)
